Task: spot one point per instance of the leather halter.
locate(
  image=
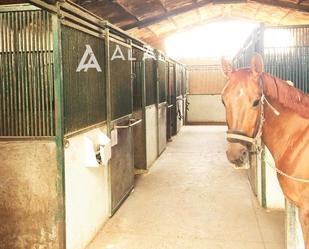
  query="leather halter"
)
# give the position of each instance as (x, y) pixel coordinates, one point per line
(234, 136)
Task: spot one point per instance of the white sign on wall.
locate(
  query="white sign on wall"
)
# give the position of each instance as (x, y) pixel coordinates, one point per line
(92, 61)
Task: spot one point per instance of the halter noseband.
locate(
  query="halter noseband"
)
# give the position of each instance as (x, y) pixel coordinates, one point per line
(234, 136)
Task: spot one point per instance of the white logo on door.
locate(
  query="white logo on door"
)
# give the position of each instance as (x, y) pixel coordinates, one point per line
(92, 62)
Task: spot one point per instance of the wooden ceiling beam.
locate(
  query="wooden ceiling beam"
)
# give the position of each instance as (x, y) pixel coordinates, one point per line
(151, 31)
(125, 9)
(284, 16)
(162, 5)
(165, 10)
(181, 10)
(284, 4)
(187, 27)
(159, 18)
(257, 11)
(134, 16)
(198, 11)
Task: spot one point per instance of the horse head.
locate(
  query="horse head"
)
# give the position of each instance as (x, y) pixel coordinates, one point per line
(242, 98)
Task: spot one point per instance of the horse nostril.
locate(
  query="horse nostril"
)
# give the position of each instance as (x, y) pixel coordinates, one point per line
(244, 156)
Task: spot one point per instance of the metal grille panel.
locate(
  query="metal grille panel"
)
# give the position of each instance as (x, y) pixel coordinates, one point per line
(285, 51)
(178, 80)
(26, 74)
(162, 81)
(184, 81)
(171, 82)
(151, 88)
(254, 44)
(290, 59)
(84, 91)
(121, 83)
(138, 74)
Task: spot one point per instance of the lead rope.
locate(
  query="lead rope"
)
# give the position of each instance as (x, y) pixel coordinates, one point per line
(280, 172)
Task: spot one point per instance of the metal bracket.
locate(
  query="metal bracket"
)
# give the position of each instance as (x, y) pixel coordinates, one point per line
(66, 143)
(135, 122)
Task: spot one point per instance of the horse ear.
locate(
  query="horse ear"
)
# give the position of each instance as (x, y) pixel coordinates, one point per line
(257, 65)
(227, 67)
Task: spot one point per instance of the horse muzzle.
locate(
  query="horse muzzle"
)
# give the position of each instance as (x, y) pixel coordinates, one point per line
(238, 154)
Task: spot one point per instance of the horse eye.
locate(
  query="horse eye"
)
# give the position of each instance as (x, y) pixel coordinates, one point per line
(256, 102)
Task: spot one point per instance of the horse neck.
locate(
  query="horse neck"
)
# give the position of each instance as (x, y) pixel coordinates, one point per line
(279, 129)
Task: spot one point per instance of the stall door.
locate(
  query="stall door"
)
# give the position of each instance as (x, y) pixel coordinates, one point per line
(151, 111)
(139, 130)
(169, 102)
(172, 93)
(121, 163)
(162, 105)
(179, 98)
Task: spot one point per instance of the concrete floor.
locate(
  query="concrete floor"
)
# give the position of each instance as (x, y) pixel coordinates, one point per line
(192, 199)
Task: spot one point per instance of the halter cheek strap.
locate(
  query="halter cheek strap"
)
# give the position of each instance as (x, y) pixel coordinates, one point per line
(234, 136)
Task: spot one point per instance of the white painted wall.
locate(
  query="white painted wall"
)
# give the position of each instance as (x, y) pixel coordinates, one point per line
(151, 134)
(86, 190)
(205, 108)
(294, 236)
(274, 196)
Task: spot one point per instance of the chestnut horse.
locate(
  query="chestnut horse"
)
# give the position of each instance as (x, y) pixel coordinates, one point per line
(259, 105)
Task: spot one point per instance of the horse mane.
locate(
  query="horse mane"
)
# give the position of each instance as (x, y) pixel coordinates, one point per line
(286, 94)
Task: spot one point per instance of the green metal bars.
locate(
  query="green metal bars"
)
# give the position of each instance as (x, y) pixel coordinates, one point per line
(26, 74)
(179, 80)
(84, 90)
(150, 80)
(121, 80)
(289, 59)
(162, 79)
(28, 106)
(254, 44)
(285, 51)
(138, 81)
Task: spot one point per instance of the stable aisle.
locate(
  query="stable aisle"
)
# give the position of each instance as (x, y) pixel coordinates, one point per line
(192, 199)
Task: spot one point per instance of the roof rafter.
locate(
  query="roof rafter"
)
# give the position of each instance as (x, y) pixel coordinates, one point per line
(125, 9)
(132, 14)
(188, 27)
(198, 11)
(285, 15)
(162, 5)
(166, 11)
(284, 4)
(193, 6)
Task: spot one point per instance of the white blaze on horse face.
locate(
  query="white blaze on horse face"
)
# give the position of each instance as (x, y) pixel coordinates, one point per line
(241, 92)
